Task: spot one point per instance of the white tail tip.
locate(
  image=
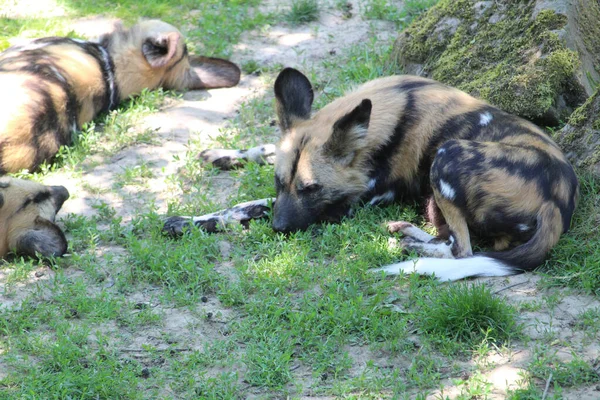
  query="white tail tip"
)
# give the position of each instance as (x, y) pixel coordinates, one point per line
(450, 269)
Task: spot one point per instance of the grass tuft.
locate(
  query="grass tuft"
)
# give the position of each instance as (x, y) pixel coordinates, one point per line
(302, 12)
(465, 314)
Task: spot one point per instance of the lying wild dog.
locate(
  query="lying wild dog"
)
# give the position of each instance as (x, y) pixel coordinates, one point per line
(51, 86)
(485, 172)
(27, 211)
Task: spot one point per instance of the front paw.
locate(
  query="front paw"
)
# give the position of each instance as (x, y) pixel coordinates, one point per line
(221, 158)
(409, 230)
(176, 226)
(398, 226)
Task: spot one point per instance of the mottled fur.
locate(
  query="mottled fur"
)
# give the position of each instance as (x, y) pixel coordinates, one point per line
(51, 86)
(483, 171)
(27, 211)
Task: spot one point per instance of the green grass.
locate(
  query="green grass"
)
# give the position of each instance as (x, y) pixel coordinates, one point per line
(302, 12)
(575, 261)
(466, 314)
(385, 10)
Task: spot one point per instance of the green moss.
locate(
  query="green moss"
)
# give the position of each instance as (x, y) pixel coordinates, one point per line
(580, 138)
(589, 15)
(583, 114)
(496, 52)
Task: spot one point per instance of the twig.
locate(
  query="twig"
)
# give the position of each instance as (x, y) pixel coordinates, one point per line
(511, 286)
(547, 386)
(151, 350)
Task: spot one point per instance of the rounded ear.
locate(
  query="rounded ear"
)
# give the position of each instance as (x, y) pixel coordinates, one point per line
(207, 73)
(161, 48)
(294, 97)
(44, 239)
(348, 132)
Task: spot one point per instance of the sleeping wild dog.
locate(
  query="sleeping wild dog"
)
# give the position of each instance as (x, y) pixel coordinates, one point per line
(484, 172)
(52, 86)
(27, 211)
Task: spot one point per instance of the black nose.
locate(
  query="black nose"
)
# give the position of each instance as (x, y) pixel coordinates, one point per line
(60, 194)
(280, 227)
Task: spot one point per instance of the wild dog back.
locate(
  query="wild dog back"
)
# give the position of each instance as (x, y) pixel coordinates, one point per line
(378, 144)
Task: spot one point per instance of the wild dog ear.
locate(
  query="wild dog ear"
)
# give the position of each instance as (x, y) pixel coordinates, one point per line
(116, 29)
(45, 239)
(294, 97)
(159, 49)
(347, 133)
(206, 73)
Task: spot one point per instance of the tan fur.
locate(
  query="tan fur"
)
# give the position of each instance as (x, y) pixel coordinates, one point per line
(37, 116)
(490, 173)
(22, 216)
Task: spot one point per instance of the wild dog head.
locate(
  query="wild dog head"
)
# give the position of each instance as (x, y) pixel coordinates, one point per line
(318, 174)
(153, 54)
(27, 212)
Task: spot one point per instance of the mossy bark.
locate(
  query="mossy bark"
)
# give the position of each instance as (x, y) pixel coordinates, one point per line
(512, 53)
(580, 138)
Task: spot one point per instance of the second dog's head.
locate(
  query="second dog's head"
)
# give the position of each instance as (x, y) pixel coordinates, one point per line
(153, 54)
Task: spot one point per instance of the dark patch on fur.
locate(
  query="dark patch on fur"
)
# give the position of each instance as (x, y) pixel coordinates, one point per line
(45, 239)
(411, 85)
(209, 225)
(297, 153)
(1, 200)
(224, 163)
(184, 55)
(35, 199)
(381, 160)
(340, 144)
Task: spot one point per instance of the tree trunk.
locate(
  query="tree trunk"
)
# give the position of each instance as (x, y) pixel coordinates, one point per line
(537, 59)
(533, 59)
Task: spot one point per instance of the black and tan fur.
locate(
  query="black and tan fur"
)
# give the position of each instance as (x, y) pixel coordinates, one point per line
(27, 212)
(486, 173)
(51, 86)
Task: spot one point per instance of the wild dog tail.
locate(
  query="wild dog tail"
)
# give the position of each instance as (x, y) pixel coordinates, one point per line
(532, 253)
(501, 263)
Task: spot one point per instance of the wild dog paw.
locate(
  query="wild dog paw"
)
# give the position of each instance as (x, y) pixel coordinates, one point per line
(228, 159)
(176, 226)
(433, 248)
(409, 230)
(398, 226)
(222, 158)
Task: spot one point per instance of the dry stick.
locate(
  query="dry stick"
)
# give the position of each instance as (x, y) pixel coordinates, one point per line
(547, 386)
(511, 286)
(151, 350)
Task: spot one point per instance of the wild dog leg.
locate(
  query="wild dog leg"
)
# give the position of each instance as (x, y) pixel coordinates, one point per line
(239, 214)
(229, 159)
(409, 230)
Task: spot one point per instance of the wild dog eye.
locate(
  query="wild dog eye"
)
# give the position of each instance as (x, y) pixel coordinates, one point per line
(309, 188)
(278, 183)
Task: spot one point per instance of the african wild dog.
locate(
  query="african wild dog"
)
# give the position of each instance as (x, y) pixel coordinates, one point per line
(485, 172)
(51, 86)
(27, 211)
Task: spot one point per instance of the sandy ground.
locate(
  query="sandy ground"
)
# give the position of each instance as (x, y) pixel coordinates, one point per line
(200, 115)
